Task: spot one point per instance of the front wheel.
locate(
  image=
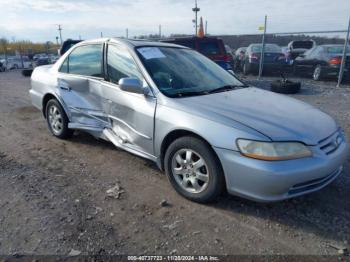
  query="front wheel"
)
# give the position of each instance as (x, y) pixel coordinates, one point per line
(57, 120)
(317, 75)
(194, 170)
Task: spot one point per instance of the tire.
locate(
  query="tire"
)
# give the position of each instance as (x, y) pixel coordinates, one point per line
(27, 72)
(208, 176)
(58, 126)
(285, 87)
(317, 73)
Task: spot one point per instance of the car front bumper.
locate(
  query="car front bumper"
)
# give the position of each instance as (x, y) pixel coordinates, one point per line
(269, 181)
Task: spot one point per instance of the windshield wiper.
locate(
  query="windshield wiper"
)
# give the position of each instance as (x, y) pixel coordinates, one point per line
(187, 94)
(225, 88)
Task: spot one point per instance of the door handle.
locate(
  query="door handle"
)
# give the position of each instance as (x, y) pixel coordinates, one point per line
(67, 88)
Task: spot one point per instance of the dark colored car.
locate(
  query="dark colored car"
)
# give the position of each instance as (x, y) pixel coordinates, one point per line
(322, 61)
(211, 47)
(42, 61)
(67, 45)
(2, 65)
(274, 59)
(299, 47)
(238, 58)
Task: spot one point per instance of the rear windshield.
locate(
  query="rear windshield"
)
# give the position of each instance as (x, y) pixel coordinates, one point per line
(268, 48)
(336, 49)
(303, 44)
(209, 48)
(189, 44)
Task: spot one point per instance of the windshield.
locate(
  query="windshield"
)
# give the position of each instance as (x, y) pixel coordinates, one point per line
(181, 72)
(268, 48)
(337, 49)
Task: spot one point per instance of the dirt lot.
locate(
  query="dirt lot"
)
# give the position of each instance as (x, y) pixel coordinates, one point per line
(53, 196)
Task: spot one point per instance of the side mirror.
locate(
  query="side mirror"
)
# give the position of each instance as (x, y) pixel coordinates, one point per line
(132, 85)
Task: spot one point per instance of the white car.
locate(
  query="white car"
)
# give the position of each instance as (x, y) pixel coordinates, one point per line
(16, 63)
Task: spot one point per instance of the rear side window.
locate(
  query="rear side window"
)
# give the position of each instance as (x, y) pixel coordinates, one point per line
(84, 60)
(209, 48)
(303, 44)
(120, 64)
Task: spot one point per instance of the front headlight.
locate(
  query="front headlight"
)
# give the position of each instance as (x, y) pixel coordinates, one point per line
(273, 151)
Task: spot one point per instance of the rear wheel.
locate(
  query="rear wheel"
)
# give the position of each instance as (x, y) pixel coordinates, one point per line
(194, 170)
(57, 120)
(317, 74)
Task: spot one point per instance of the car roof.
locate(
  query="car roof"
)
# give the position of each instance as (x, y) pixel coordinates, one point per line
(130, 42)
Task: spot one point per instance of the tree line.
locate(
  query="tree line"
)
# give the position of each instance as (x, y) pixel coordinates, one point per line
(24, 47)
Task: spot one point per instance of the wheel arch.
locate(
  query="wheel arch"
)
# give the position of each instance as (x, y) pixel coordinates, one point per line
(178, 133)
(47, 97)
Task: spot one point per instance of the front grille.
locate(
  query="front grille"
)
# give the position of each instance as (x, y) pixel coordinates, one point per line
(313, 184)
(331, 143)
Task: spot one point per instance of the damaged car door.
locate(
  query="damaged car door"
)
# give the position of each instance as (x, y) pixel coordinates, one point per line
(79, 87)
(131, 115)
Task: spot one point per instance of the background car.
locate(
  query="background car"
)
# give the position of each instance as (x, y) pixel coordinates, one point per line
(298, 47)
(211, 47)
(238, 58)
(274, 59)
(42, 61)
(322, 61)
(2, 65)
(67, 45)
(230, 53)
(18, 62)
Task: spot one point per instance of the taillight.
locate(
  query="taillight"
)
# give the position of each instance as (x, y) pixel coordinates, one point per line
(335, 60)
(253, 56)
(227, 58)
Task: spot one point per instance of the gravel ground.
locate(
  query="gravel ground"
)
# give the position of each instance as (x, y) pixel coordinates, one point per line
(53, 196)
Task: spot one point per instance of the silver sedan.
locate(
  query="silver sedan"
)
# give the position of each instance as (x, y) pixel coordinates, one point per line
(206, 129)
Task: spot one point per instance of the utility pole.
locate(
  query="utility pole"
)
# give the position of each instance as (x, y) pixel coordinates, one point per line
(57, 40)
(160, 31)
(127, 33)
(343, 60)
(261, 66)
(196, 9)
(60, 30)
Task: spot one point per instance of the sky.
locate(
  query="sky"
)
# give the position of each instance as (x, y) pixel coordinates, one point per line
(37, 20)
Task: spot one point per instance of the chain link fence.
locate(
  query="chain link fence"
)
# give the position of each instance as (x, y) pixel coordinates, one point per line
(323, 54)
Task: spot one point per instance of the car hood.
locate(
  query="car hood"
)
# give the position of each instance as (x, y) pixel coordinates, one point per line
(278, 117)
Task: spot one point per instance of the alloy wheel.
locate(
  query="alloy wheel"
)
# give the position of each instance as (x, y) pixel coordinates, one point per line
(55, 119)
(190, 171)
(317, 73)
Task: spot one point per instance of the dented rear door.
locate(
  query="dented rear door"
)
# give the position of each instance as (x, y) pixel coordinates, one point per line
(79, 87)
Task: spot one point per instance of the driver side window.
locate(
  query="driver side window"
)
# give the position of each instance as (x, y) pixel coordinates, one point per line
(120, 64)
